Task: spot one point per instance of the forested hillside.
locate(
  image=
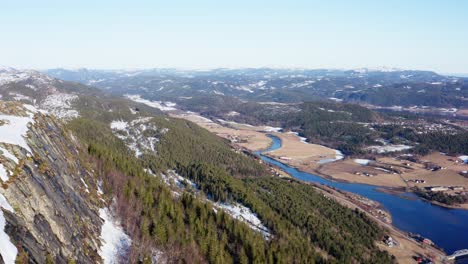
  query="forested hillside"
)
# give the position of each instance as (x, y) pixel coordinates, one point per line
(383, 87)
(348, 127)
(186, 227)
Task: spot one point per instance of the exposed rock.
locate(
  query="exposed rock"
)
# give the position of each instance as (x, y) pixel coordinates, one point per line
(54, 216)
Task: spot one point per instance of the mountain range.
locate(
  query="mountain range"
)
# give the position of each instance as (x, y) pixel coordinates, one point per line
(375, 87)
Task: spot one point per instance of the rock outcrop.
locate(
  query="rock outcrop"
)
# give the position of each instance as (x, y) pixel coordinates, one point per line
(52, 190)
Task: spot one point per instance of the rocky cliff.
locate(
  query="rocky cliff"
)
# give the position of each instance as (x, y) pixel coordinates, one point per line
(49, 194)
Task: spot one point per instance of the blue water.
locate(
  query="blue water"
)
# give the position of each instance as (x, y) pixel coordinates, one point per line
(447, 228)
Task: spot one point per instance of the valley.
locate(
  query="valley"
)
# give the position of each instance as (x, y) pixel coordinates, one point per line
(159, 167)
(297, 153)
(234, 132)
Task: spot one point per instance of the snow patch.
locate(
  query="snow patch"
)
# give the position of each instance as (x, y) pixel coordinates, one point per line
(335, 99)
(14, 130)
(114, 240)
(20, 97)
(85, 185)
(338, 156)
(464, 158)
(388, 148)
(235, 210)
(136, 134)
(59, 105)
(8, 251)
(9, 155)
(163, 106)
(244, 214)
(4, 174)
(362, 161)
(119, 125)
(272, 129)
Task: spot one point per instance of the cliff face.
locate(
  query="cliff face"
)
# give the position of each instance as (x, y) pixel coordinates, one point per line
(51, 198)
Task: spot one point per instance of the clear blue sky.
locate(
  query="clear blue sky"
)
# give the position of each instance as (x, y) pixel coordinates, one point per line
(413, 34)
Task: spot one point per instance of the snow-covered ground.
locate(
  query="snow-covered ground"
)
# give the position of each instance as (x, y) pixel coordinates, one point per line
(263, 128)
(8, 75)
(464, 158)
(172, 177)
(21, 97)
(233, 113)
(115, 242)
(244, 88)
(7, 154)
(163, 106)
(136, 133)
(85, 185)
(338, 156)
(362, 161)
(244, 214)
(4, 173)
(14, 129)
(59, 104)
(235, 210)
(388, 148)
(8, 250)
(272, 129)
(119, 125)
(335, 99)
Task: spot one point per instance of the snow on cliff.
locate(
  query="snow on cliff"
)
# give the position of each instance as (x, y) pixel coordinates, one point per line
(115, 241)
(8, 251)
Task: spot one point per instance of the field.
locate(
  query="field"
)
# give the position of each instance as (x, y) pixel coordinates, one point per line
(346, 170)
(351, 171)
(244, 136)
(297, 153)
(382, 171)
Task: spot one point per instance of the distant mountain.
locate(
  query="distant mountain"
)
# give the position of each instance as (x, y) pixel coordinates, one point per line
(64, 99)
(381, 87)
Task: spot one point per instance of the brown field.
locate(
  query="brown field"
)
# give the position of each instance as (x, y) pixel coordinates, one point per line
(301, 155)
(449, 176)
(243, 136)
(346, 169)
(446, 177)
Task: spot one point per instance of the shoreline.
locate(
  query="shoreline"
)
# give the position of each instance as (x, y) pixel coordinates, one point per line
(408, 247)
(394, 190)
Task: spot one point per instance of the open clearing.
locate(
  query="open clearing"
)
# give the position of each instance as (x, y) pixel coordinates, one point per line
(297, 153)
(449, 175)
(244, 136)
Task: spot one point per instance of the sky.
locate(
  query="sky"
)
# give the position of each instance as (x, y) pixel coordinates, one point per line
(415, 34)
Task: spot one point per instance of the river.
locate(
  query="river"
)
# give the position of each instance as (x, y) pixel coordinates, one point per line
(447, 228)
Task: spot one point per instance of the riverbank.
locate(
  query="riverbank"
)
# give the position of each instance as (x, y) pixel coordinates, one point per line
(408, 213)
(406, 247)
(297, 153)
